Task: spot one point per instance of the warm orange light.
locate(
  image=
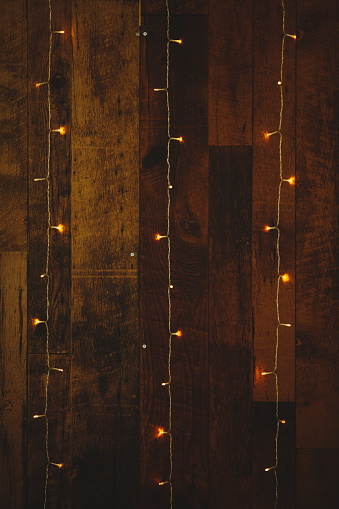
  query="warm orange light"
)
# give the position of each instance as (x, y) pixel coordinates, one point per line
(59, 227)
(283, 421)
(58, 31)
(178, 333)
(268, 228)
(279, 82)
(294, 36)
(157, 236)
(285, 278)
(160, 432)
(291, 181)
(162, 483)
(59, 465)
(181, 139)
(36, 416)
(266, 135)
(178, 41)
(38, 85)
(36, 321)
(61, 130)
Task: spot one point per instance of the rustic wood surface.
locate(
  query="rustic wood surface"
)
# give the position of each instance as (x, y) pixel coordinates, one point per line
(13, 137)
(317, 289)
(267, 37)
(13, 348)
(107, 302)
(189, 241)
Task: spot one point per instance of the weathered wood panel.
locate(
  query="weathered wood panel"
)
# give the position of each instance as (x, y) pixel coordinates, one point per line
(175, 7)
(60, 165)
(317, 478)
(58, 493)
(105, 392)
(263, 456)
(267, 37)
(13, 457)
(105, 135)
(317, 291)
(13, 139)
(189, 261)
(230, 72)
(105, 151)
(230, 327)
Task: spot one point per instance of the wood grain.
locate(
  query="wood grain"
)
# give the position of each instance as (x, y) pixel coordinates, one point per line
(267, 37)
(176, 7)
(189, 260)
(59, 437)
(317, 478)
(230, 334)
(105, 148)
(13, 140)
(317, 288)
(13, 457)
(105, 393)
(263, 456)
(230, 72)
(38, 132)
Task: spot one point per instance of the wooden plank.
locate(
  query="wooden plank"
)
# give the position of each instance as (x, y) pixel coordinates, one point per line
(104, 393)
(13, 301)
(230, 72)
(263, 456)
(13, 139)
(230, 343)
(317, 317)
(105, 147)
(189, 261)
(105, 135)
(38, 132)
(317, 478)
(267, 39)
(176, 7)
(59, 428)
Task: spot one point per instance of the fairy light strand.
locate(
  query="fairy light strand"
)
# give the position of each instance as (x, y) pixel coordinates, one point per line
(158, 236)
(58, 227)
(280, 277)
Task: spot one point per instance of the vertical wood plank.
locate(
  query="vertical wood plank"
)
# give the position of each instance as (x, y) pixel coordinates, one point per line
(189, 262)
(105, 255)
(13, 348)
(59, 428)
(267, 39)
(230, 72)
(13, 131)
(230, 344)
(263, 455)
(317, 478)
(176, 7)
(38, 132)
(316, 293)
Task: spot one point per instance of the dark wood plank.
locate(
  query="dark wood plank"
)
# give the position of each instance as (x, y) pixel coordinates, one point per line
(13, 139)
(263, 456)
(317, 291)
(317, 478)
(13, 301)
(176, 7)
(59, 427)
(230, 335)
(230, 72)
(267, 37)
(38, 132)
(189, 261)
(105, 147)
(105, 392)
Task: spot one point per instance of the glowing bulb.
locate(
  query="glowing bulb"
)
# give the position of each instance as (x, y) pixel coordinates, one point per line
(178, 333)
(58, 31)
(279, 82)
(165, 383)
(268, 228)
(36, 321)
(293, 36)
(291, 181)
(38, 85)
(162, 483)
(61, 130)
(270, 468)
(178, 41)
(157, 236)
(160, 432)
(267, 373)
(43, 275)
(59, 465)
(266, 135)
(285, 278)
(159, 89)
(180, 139)
(59, 227)
(282, 421)
(56, 369)
(285, 324)
(37, 416)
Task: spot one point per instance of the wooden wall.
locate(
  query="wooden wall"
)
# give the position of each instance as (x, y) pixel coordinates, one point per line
(108, 287)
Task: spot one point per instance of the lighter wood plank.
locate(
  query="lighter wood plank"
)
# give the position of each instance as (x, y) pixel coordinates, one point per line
(13, 114)
(13, 301)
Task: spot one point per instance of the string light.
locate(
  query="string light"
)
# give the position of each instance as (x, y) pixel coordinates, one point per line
(60, 228)
(283, 277)
(158, 237)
